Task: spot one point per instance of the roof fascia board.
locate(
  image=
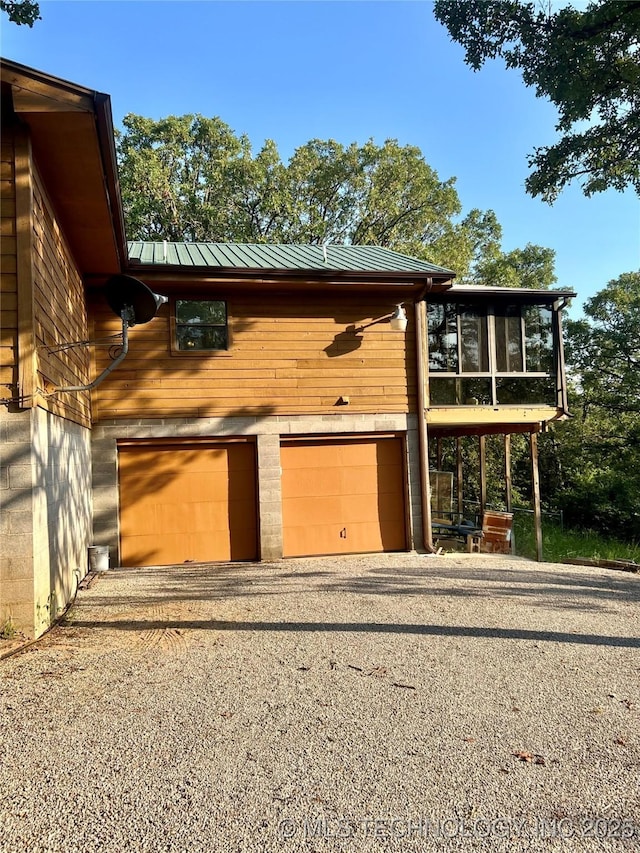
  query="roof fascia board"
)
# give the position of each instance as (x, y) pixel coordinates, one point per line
(34, 91)
(460, 292)
(106, 141)
(263, 276)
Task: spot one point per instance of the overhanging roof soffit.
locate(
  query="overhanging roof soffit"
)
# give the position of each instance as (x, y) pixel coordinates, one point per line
(39, 99)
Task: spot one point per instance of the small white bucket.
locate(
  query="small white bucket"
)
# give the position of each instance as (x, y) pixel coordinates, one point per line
(98, 558)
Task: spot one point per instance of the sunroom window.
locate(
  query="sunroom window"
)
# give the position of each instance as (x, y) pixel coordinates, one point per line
(489, 356)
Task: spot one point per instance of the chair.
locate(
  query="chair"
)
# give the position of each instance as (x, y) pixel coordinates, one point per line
(495, 536)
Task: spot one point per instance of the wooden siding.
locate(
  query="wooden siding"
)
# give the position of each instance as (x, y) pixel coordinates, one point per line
(8, 265)
(59, 313)
(289, 354)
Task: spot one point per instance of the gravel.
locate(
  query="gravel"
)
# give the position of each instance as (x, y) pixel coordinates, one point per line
(376, 703)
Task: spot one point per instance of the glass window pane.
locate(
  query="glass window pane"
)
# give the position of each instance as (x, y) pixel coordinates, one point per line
(526, 390)
(442, 392)
(538, 320)
(194, 337)
(443, 338)
(200, 311)
(473, 331)
(475, 392)
(459, 392)
(508, 340)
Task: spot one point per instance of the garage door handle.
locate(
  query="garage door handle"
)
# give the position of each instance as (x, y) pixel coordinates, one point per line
(343, 533)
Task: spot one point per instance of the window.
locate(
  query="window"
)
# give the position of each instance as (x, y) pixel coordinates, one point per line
(201, 325)
(501, 354)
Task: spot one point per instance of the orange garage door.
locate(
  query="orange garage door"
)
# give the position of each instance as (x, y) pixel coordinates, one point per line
(186, 502)
(343, 496)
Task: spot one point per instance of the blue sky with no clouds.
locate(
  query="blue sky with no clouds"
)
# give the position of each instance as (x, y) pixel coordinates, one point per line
(292, 71)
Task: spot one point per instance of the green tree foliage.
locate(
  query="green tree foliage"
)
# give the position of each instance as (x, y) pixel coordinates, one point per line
(179, 177)
(533, 266)
(191, 178)
(586, 61)
(21, 11)
(600, 447)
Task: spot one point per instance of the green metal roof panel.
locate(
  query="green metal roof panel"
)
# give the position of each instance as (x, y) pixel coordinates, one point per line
(257, 256)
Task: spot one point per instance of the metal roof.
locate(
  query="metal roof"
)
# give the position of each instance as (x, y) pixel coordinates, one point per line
(481, 291)
(291, 257)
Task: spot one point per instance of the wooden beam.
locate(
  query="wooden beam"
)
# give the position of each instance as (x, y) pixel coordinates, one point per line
(482, 444)
(508, 485)
(459, 477)
(507, 473)
(24, 269)
(503, 416)
(535, 484)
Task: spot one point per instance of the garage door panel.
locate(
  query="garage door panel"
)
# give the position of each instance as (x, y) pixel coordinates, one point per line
(180, 504)
(312, 510)
(343, 496)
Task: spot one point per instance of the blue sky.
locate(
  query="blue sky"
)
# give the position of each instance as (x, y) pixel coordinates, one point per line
(293, 71)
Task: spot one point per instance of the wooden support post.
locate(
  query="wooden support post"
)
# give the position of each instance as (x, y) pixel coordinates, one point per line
(482, 441)
(438, 454)
(535, 483)
(24, 271)
(459, 482)
(423, 436)
(507, 473)
(508, 484)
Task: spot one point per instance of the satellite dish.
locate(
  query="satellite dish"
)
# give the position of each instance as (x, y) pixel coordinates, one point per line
(126, 293)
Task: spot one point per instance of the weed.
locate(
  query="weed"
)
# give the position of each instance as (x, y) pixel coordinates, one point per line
(561, 544)
(8, 630)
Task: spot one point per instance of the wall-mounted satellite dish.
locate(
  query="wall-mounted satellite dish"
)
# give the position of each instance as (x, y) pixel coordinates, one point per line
(127, 292)
(134, 303)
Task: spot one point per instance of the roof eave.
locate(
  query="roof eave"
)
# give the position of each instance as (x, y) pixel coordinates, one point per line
(517, 293)
(433, 280)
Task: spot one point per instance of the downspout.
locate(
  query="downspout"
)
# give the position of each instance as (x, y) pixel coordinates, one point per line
(423, 436)
(561, 371)
(126, 322)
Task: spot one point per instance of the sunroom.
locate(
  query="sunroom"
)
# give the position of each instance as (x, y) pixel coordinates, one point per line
(495, 367)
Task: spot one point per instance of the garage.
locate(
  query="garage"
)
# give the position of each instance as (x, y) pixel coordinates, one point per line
(343, 496)
(187, 502)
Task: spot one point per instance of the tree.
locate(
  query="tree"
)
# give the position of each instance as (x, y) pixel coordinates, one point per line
(600, 446)
(179, 177)
(191, 178)
(604, 349)
(533, 266)
(21, 11)
(587, 62)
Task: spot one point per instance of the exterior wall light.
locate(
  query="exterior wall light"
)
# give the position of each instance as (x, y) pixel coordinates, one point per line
(398, 320)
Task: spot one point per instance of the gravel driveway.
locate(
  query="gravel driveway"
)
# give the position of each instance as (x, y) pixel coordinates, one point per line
(394, 702)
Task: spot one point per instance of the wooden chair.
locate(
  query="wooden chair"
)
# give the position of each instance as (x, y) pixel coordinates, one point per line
(495, 536)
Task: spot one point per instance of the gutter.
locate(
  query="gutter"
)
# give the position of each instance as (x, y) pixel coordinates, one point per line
(106, 140)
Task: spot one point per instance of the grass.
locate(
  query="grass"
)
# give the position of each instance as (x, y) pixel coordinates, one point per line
(7, 630)
(560, 544)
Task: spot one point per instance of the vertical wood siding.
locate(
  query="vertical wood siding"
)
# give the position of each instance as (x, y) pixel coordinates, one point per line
(288, 354)
(8, 278)
(59, 312)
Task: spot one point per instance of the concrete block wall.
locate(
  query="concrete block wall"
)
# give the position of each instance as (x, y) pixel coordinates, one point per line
(62, 512)
(45, 516)
(16, 521)
(268, 431)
